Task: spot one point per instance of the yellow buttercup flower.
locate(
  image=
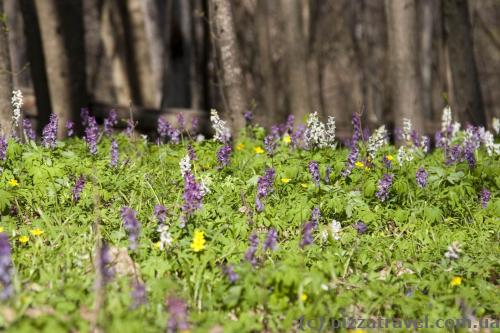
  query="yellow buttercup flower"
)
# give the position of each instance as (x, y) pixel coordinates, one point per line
(358, 330)
(389, 157)
(304, 185)
(157, 245)
(287, 139)
(456, 281)
(13, 182)
(198, 243)
(258, 150)
(240, 146)
(359, 164)
(36, 232)
(303, 297)
(24, 239)
(1, 229)
(285, 180)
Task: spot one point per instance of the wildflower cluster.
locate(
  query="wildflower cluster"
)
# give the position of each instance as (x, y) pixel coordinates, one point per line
(319, 135)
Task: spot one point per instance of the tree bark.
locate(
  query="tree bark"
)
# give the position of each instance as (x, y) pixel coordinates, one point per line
(5, 77)
(404, 66)
(61, 27)
(427, 10)
(232, 75)
(467, 97)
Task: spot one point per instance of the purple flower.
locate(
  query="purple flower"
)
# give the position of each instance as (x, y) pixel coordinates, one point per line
(78, 188)
(84, 114)
(327, 174)
(194, 124)
(264, 187)
(360, 227)
(70, 128)
(28, 129)
(192, 196)
(259, 206)
(290, 121)
(366, 134)
(138, 294)
(454, 154)
(252, 249)
(223, 156)
(6, 267)
(113, 151)
(103, 263)
(387, 163)
(270, 143)
(485, 197)
(356, 124)
(248, 115)
(228, 270)
(161, 213)
(307, 231)
(315, 216)
(351, 159)
(384, 186)
(177, 310)
(163, 127)
(421, 177)
(298, 136)
(130, 127)
(4, 144)
(415, 138)
(271, 240)
(180, 122)
(91, 134)
(132, 226)
(110, 122)
(314, 171)
(49, 133)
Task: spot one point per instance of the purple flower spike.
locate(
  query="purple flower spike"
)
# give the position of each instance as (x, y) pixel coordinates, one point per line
(252, 249)
(77, 190)
(307, 231)
(315, 216)
(110, 122)
(271, 240)
(387, 163)
(290, 122)
(195, 124)
(191, 153)
(177, 310)
(138, 294)
(270, 143)
(314, 171)
(130, 127)
(6, 267)
(192, 196)
(264, 187)
(161, 213)
(132, 226)
(91, 134)
(485, 197)
(232, 276)
(49, 134)
(70, 128)
(328, 173)
(28, 129)
(384, 186)
(84, 114)
(360, 227)
(248, 115)
(4, 144)
(113, 151)
(180, 122)
(223, 156)
(421, 177)
(104, 266)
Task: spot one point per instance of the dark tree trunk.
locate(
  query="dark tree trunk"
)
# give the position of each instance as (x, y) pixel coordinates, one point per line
(467, 98)
(5, 78)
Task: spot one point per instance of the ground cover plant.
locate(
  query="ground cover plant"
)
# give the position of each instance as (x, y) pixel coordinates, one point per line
(246, 233)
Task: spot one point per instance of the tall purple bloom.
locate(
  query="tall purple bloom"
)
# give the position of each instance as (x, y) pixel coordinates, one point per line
(138, 294)
(130, 127)
(194, 124)
(91, 134)
(264, 187)
(271, 240)
(314, 171)
(223, 156)
(104, 266)
(386, 162)
(454, 154)
(28, 129)
(180, 122)
(248, 115)
(6, 267)
(252, 249)
(78, 188)
(163, 127)
(113, 151)
(360, 227)
(84, 114)
(270, 143)
(192, 196)
(191, 153)
(132, 226)
(290, 122)
(421, 177)
(70, 128)
(328, 173)
(4, 144)
(161, 213)
(315, 216)
(177, 310)
(298, 136)
(353, 154)
(384, 186)
(232, 276)
(307, 231)
(485, 197)
(110, 122)
(49, 133)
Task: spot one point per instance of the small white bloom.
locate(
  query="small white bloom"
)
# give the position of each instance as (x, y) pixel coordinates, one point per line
(404, 155)
(377, 140)
(446, 119)
(165, 236)
(17, 103)
(222, 132)
(453, 251)
(496, 125)
(185, 165)
(454, 129)
(205, 183)
(335, 228)
(407, 129)
(317, 134)
(200, 138)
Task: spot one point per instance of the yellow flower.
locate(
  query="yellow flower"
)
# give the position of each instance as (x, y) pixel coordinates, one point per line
(359, 164)
(13, 182)
(303, 297)
(285, 180)
(198, 243)
(157, 245)
(36, 232)
(358, 330)
(24, 239)
(456, 281)
(304, 185)
(367, 168)
(1, 229)
(258, 150)
(240, 146)
(389, 157)
(287, 139)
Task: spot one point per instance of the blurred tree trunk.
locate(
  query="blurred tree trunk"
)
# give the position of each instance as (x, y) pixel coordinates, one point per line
(201, 43)
(232, 75)
(404, 67)
(17, 45)
(61, 27)
(5, 77)
(467, 98)
(427, 12)
(297, 64)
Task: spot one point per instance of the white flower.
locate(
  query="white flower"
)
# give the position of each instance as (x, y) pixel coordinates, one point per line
(330, 133)
(222, 132)
(185, 165)
(205, 183)
(317, 134)
(424, 143)
(17, 103)
(376, 141)
(454, 129)
(446, 119)
(200, 138)
(335, 228)
(165, 236)
(496, 125)
(489, 142)
(404, 155)
(407, 128)
(453, 251)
